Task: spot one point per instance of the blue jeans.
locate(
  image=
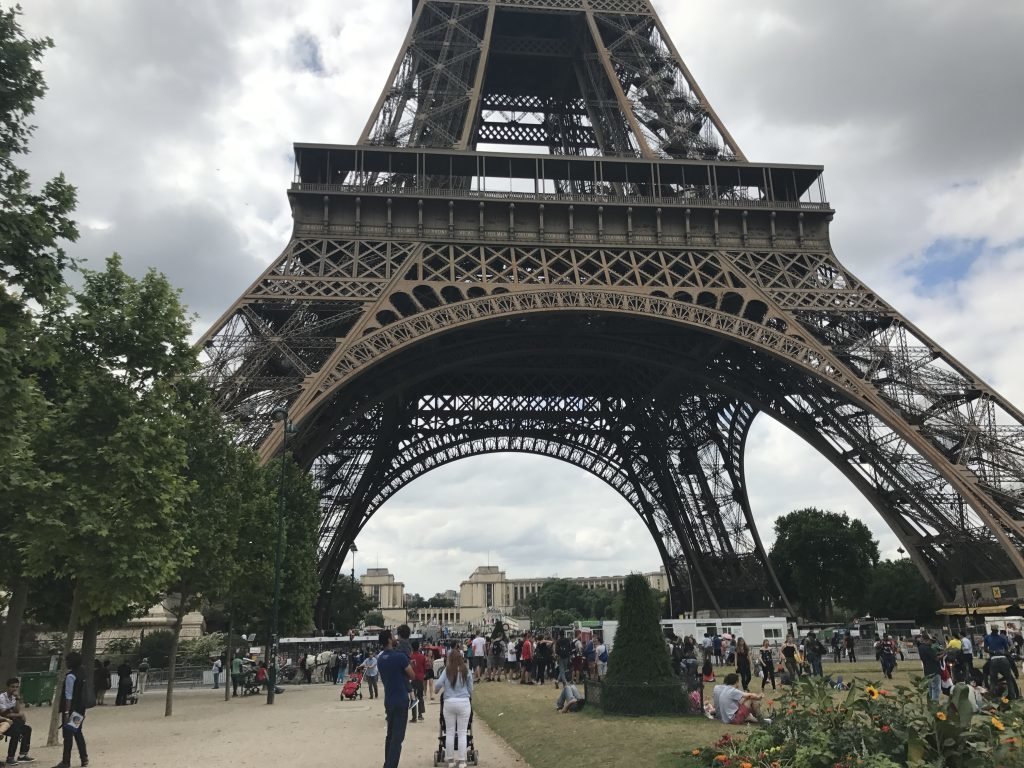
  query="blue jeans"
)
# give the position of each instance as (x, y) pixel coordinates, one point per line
(561, 670)
(216, 680)
(398, 719)
(934, 687)
(815, 661)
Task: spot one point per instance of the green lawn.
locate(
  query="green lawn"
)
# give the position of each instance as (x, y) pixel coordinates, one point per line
(525, 717)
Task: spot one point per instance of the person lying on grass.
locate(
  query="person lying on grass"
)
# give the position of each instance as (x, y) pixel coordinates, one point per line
(735, 706)
(570, 700)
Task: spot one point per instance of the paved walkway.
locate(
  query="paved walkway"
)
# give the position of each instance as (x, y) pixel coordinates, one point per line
(308, 727)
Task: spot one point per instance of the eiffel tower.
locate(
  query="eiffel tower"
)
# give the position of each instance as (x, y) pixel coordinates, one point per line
(623, 291)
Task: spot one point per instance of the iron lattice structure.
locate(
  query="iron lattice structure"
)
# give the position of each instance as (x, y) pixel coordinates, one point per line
(625, 298)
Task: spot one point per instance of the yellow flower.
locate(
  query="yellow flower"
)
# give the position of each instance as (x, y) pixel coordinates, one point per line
(746, 765)
(695, 752)
(720, 758)
(872, 692)
(1005, 700)
(997, 724)
(940, 715)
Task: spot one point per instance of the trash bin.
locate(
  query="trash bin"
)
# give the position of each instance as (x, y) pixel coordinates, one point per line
(37, 687)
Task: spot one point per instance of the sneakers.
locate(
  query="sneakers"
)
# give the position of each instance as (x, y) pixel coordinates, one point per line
(22, 759)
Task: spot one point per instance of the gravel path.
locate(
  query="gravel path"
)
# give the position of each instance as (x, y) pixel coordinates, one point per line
(308, 727)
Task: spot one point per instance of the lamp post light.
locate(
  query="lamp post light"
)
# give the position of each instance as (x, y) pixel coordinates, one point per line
(353, 550)
(279, 415)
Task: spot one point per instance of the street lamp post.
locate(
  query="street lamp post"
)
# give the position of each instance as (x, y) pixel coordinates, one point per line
(279, 415)
(353, 551)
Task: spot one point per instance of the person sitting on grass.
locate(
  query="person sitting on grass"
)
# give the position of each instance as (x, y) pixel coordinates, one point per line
(735, 706)
(570, 700)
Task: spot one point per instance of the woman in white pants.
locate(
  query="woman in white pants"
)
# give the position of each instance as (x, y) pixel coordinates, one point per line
(456, 688)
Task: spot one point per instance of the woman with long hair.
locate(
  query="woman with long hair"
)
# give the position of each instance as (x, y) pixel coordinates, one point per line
(456, 688)
(743, 663)
(767, 665)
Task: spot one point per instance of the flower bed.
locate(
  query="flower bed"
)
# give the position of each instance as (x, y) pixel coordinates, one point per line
(870, 727)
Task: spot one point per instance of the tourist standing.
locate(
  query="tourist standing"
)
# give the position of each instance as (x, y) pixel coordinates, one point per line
(124, 684)
(590, 657)
(455, 684)
(542, 654)
(419, 670)
(371, 673)
(218, 666)
(967, 656)
(929, 655)
(526, 660)
(236, 674)
(767, 665)
(789, 659)
(813, 650)
(716, 648)
(479, 646)
(837, 649)
(72, 710)
(851, 654)
(602, 659)
(495, 660)
(743, 663)
(143, 676)
(396, 673)
(887, 655)
(511, 662)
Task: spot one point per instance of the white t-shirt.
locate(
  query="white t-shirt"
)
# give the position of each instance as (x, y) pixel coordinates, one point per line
(7, 702)
(727, 702)
(479, 647)
(510, 654)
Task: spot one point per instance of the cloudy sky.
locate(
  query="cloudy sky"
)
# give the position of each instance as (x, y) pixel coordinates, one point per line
(175, 120)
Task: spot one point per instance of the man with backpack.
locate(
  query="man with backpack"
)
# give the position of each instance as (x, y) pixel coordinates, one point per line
(496, 660)
(602, 659)
(563, 650)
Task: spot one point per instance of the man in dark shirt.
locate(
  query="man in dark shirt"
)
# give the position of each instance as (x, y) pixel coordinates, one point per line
(930, 665)
(395, 673)
(998, 647)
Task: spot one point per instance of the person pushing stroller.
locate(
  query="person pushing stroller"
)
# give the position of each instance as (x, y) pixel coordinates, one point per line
(455, 684)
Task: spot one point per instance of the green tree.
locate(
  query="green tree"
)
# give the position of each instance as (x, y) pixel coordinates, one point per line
(33, 226)
(823, 559)
(222, 506)
(347, 605)
(250, 600)
(158, 648)
(640, 678)
(374, 619)
(113, 447)
(897, 590)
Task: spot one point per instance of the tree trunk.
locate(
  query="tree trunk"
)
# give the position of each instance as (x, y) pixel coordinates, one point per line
(89, 634)
(226, 672)
(11, 637)
(58, 693)
(172, 663)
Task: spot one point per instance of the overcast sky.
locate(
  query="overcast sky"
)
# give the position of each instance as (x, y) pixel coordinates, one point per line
(175, 119)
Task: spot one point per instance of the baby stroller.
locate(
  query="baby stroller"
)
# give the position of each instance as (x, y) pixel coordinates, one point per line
(472, 756)
(350, 690)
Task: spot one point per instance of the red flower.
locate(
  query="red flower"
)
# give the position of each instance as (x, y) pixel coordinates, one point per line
(886, 729)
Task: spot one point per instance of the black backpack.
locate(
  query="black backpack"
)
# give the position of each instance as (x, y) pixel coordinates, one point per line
(564, 647)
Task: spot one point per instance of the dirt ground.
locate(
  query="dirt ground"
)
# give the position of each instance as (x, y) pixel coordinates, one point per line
(308, 726)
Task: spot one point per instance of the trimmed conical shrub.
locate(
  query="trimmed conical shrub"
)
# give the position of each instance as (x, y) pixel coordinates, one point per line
(640, 679)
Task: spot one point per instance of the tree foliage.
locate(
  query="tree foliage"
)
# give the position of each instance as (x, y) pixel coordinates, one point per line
(640, 678)
(562, 601)
(897, 590)
(347, 605)
(823, 559)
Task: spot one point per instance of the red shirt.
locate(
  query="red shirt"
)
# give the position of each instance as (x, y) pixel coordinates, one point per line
(419, 665)
(527, 653)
